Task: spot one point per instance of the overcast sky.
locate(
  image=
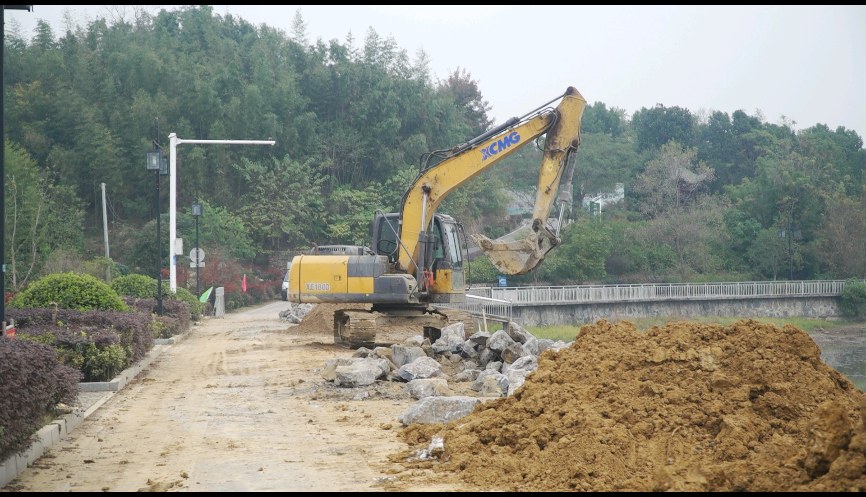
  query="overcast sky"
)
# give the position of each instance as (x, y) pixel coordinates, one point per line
(806, 65)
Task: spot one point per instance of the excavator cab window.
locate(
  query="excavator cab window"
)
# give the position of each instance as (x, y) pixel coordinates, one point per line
(451, 243)
(438, 249)
(384, 235)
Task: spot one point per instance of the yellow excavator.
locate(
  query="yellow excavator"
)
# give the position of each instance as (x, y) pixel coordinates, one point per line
(417, 256)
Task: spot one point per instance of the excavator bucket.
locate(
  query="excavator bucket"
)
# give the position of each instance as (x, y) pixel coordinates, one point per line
(516, 256)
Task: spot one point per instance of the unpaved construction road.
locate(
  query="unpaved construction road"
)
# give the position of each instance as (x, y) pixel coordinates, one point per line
(237, 404)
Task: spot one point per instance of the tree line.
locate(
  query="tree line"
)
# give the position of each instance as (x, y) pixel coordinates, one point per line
(712, 196)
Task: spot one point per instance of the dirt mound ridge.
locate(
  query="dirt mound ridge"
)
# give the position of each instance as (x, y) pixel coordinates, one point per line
(320, 319)
(684, 407)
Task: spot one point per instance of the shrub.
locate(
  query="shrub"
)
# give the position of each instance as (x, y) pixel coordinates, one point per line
(135, 285)
(852, 302)
(482, 271)
(103, 363)
(196, 308)
(176, 316)
(34, 382)
(71, 331)
(82, 292)
(141, 286)
(101, 267)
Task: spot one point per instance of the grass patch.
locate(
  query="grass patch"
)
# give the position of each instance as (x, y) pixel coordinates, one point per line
(568, 332)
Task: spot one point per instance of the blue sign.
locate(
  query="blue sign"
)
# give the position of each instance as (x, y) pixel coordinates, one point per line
(502, 281)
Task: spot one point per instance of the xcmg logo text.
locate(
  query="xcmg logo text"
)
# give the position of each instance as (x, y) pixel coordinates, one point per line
(500, 145)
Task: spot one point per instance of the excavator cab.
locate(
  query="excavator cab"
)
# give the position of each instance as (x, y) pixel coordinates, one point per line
(440, 259)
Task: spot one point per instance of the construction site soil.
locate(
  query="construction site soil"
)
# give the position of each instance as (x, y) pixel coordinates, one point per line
(683, 407)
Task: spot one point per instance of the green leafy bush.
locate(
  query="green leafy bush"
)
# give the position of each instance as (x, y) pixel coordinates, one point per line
(135, 285)
(141, 286)
(483, 272)
(196, 308)
(81, 292)
(103, 363)
(852, 302)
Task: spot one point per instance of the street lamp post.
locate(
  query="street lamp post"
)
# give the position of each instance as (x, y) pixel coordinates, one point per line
(158, 163)
(196, 213)
(173, 142)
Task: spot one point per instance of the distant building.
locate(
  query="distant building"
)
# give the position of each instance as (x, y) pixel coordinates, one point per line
(595, 203)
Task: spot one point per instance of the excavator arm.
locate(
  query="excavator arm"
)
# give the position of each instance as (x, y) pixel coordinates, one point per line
(462, 163)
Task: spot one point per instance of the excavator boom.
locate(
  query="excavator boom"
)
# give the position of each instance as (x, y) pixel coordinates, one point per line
(562, 139)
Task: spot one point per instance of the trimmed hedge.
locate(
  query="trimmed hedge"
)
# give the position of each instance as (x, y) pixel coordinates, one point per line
(145, 287)
(81, 292)
(196, 308)
(99, 343)
(70, 328)
(135, 285)
(33, 382)
(176, 316)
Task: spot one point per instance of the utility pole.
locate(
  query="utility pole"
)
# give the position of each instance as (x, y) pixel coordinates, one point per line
(105, 222)
(105, 234)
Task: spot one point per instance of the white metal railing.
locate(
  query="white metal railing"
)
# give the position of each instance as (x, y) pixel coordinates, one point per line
(589, 294)
(484, 308)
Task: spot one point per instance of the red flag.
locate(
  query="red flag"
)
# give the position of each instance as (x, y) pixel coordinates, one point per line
(244, 283)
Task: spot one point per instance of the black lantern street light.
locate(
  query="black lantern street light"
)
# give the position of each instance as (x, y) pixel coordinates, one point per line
(158, 163)
(196, 213)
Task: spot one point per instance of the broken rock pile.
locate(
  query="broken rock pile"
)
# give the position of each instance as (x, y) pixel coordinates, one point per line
(450, 375)
(294, 313)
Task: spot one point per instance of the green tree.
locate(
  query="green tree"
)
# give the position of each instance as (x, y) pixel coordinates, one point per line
(768, 253)
(842, 236)
(39, 218)
(681, 216)
(284, 196)
(597, 118)
(352, 211)
(743, 230)
(672, 181)
(657, 126)
(580, 258)
(466, 94)
(716, 146)
(601, 162)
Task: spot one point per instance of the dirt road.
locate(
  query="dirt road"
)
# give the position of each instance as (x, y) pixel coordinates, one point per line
(237, 404)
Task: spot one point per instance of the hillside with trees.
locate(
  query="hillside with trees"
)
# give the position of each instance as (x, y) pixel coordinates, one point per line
(708, 197)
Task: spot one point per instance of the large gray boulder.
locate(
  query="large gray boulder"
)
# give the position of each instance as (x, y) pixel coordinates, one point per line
(439, 409)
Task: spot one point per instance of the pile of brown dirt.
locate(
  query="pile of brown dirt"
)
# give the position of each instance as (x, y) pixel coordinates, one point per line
(320, 319)
(684, 407)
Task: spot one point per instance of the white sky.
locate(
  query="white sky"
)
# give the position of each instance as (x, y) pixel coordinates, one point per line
(806, 64)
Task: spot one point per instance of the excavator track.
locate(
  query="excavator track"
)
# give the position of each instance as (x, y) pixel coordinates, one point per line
(355, 328)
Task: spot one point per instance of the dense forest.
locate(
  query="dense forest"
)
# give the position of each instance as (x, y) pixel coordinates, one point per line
(708, 197)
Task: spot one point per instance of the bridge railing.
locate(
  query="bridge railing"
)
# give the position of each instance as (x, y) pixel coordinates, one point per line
(484, 308)
(589, 294)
